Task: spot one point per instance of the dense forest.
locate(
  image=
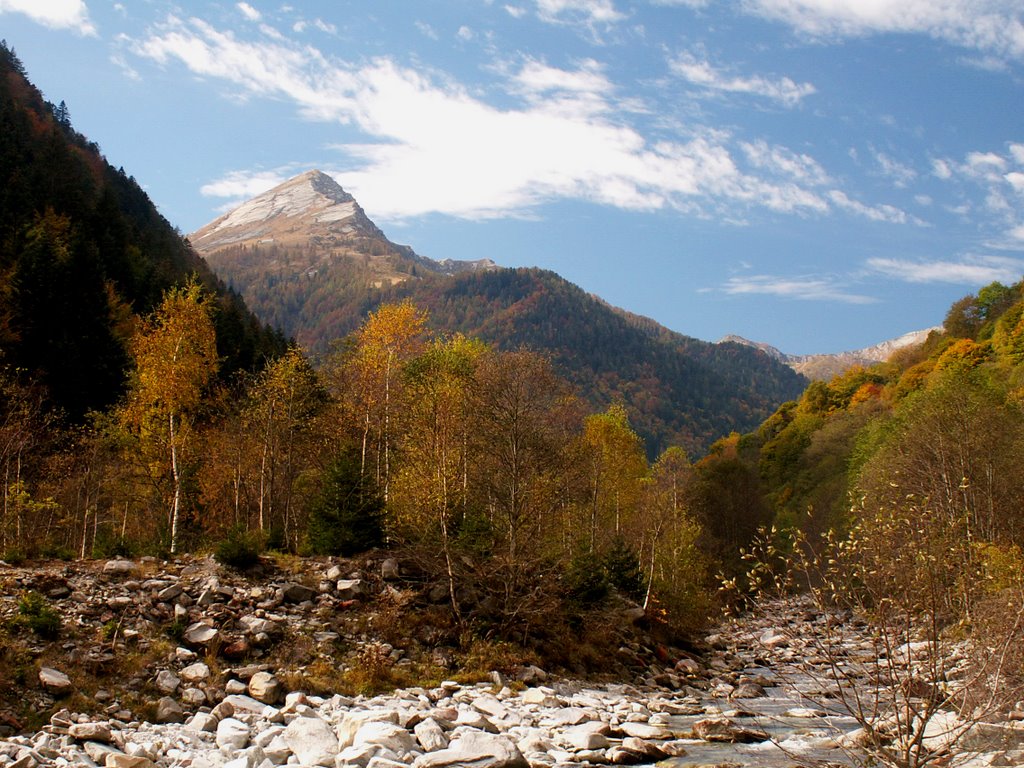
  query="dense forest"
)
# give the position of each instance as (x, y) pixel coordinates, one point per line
(83, 253)
(677, 390)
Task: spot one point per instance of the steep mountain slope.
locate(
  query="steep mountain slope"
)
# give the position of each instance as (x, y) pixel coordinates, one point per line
(82, 251)
(306, 258)
(823, 367)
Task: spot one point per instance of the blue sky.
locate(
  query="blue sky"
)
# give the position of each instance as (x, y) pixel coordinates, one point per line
(816, 174)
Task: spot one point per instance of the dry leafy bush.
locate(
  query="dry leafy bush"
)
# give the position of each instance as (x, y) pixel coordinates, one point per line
(929, 600)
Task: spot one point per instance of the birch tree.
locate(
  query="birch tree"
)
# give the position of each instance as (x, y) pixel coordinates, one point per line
(175, 353)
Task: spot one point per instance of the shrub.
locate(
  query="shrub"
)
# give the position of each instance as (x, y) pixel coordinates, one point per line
(239, 549)
(37, 615)
(13, 557)
(109, 545)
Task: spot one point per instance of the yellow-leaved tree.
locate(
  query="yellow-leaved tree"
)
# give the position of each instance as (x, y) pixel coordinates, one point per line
(390, 336)
(175, 354)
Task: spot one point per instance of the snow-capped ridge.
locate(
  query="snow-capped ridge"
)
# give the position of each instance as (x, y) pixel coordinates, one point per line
(826, 365)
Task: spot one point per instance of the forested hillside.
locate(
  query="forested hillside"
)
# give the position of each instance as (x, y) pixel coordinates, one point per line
(83, 252)
(678, 390)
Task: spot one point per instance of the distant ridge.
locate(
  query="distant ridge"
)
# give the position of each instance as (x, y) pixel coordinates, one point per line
(825, 366)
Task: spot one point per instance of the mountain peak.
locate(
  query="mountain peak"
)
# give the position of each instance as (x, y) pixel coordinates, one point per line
(309, 205)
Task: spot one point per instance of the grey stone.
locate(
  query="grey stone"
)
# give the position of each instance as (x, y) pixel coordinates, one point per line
(201, 633)
(479, 750)
(232, 735)
(264, 687)
(350, 589)
(311, 740)
(195, 673)
(98, 751)
(390, 736)
(169, 711)
(389, 569)
(297, 593)
(354, 720)
(194, 697)
(202, 722)
(430, 735)
(586, 736)
(55, 681)
(167, 682)
(90, 731)
(118, 567)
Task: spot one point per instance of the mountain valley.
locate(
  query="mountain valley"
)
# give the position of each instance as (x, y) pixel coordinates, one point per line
(307, 259)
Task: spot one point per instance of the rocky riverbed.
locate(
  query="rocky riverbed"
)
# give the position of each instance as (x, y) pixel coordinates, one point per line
(760, 694)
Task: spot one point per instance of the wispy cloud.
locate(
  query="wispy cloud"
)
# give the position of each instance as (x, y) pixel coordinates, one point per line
(431, 146)
(56, 14)
(994, 27)
(900, 173)
(249, 12)
(704, 74)
(972, 270)
(799, 167)
(999, 176)
(588, 11)
(811, 288)
(886, 213)
(245, 184)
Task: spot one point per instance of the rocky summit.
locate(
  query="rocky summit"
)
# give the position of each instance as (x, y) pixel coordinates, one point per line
(759, 693)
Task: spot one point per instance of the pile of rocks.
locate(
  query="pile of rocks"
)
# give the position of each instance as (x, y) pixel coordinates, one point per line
(761, 693)
(453, 725)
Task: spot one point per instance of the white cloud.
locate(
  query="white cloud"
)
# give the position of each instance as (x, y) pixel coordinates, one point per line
(515, 11)
(995, 27)
(1001, 189)
(705, 75)
(941, 169)
(900, 174)
(974, 270)
(431, 146)
(801, 168)
(1016, 180)
(464, 33)
(244, 184)
(886, 213)
(427, 31)
(801, 288)
(56, 14)
(325, 26)
(589, 11)
(249, 12)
